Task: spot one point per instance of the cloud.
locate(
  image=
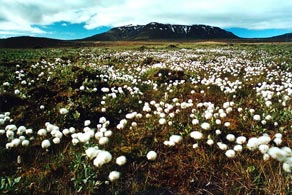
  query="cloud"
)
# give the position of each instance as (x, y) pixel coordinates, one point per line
(22, 16)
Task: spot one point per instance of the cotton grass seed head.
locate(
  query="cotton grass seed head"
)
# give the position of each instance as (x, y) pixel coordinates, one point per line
(64, 111)
(205, 126)
(114, 175)
(151, 155)
(121, 160)
(230, 153)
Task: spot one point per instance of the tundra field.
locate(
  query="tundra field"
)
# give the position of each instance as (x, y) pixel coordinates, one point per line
(153, 119)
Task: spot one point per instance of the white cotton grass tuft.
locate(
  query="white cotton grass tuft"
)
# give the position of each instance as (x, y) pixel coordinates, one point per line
(103, 157)
(169, 143)
(25, 143)
(176, 138)
(205, 126)
(230, 153)
(197, 135)
(252, 143)
(92, 152)
(266, 157)
(230, 137)
(56, 140)
(222, 146)
(210, 142)
(103, 140)
(238, 148)
(151, 155)
(15, 142)
(64, 111)
(241, 140)
(263, 148)
(277, 153)
(121, 160)
(46, 144)
(162, 121)
(87, 123)
(256, 117)
(195, 121)
(114, 175)
(108, 133)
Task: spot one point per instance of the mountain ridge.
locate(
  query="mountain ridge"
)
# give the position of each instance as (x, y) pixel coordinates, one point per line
(159, 31)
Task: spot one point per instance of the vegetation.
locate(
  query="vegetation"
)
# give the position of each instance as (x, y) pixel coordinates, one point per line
(146, 119)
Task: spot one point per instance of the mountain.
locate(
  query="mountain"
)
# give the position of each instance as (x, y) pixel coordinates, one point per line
(282, 38)
(158, 31)
(32, 42)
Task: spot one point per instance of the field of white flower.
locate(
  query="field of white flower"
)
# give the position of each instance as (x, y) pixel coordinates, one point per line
(186, 119)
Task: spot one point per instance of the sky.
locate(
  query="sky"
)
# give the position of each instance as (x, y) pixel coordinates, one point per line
(75, 19)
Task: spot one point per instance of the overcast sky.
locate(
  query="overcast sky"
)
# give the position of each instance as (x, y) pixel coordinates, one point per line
(69, 19)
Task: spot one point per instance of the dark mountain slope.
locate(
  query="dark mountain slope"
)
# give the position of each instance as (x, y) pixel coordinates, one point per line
(158, 31)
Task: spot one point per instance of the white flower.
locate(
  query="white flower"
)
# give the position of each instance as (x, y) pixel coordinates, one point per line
(227, 124)
(42, 132)
(103, 157)
(241, 140)
(162, 121)
(121, 160)
(98, 135)
(46, 143)
(195, 121)
(278, 135)
(237, 148)
(103, 140)
(108, 133)
(151, 155)
(218, 132)
(256, 117)
(287, 150)
(64, 111)
(264, 139)
(25, 143)
(66, 132)
(56, 140)
(195, 146)
(218, 122)
(222, 146)
(114, 175)
(105, 90)
(206, 126)
(102, 120)
(210, 142)
(264, 148)
(196, 135)
(16, 92)
(277, 141)
(266, 157)
(176, 138)
(277, 153)
(84, 137)
(15, 142)
(72, 130)
(75, 141)
(287, 167)
(169, 143)
(42, 107)
(87, 123)
(230, 137)
(230, 153)
(92, 152)
(252, 143)
(208, 115)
